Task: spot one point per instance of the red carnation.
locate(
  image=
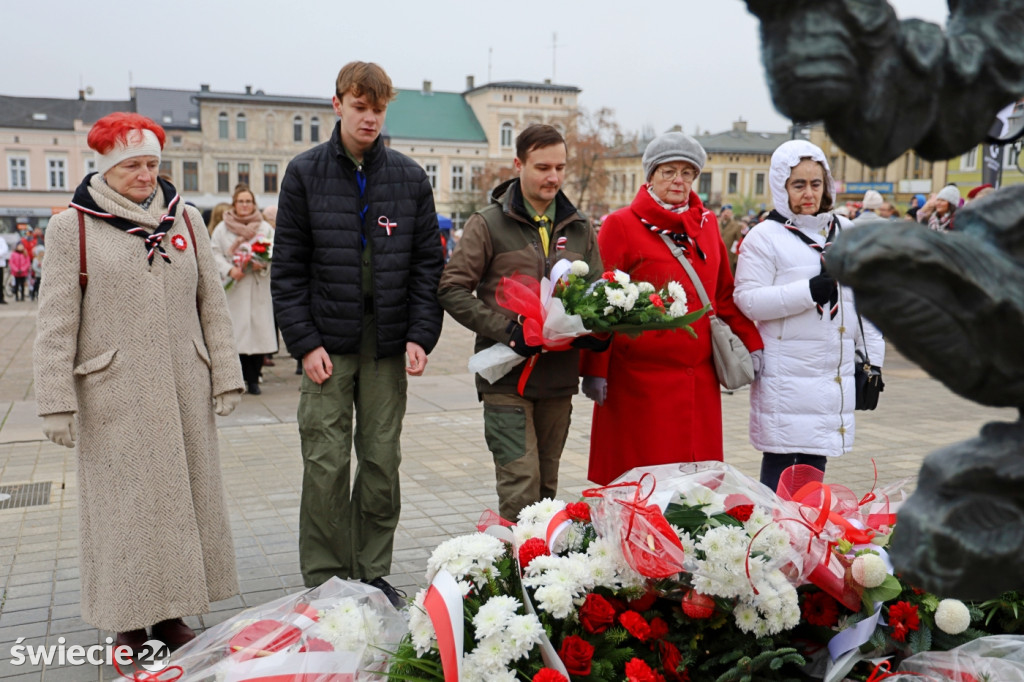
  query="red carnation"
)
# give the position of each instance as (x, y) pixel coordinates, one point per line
(608, 276)
(819, 608)
(636, 625)
(656, 301)
(670, 660)
(596, 614)
(259, 247)
(530, 550)
(659, 628)
(698, 606)
(903, 618)
(576, 653)
(741, 512)
(638, 671)
(549, 675)
(578, 511)
(645, 602)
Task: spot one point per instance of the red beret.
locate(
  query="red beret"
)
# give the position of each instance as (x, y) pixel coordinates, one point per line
(974, 192)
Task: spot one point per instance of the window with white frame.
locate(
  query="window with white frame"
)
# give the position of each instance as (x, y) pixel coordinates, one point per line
(1010, 154)
(56, 174)
(297, 129)
(506, 134)
(90, 166)
(969, 161)
(314, 129)
(222, 125)
(431, 169)
(241, 127)
(17, 172)
(476, 174)
(759, 184)
(734, 183)
(458, 177)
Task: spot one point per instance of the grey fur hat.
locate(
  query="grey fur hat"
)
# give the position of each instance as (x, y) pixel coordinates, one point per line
(673, 147)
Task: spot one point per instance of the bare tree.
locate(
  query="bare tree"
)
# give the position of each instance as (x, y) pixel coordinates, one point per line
(590, 136)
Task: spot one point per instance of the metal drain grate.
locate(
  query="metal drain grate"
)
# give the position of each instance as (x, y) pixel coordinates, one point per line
(25, 495)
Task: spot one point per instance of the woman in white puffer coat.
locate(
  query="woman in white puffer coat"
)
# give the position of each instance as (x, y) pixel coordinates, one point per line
(802, 400)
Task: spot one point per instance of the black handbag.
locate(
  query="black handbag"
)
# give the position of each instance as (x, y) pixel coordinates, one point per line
(868, 379)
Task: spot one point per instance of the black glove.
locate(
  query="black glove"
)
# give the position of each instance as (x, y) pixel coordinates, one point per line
(590, 342)
(517, 343)
(822, 288)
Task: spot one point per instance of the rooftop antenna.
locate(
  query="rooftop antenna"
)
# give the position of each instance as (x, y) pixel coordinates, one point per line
(490, 53)
(554, 54)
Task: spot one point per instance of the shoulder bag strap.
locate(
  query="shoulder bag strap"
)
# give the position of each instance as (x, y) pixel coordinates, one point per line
(83, 270)
(860, 322)
(191, 233)
(678, 253)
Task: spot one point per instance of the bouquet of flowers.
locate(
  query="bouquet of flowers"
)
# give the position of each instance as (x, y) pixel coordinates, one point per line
(260, 250)
(336, 632)
(555, 311)
(614, 303)
(708, 576)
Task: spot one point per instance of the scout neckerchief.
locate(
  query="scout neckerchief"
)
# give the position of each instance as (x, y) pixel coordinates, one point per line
(84, 202)
(820, 248)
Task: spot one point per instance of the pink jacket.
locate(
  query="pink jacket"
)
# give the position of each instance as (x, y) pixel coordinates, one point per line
(20, 264)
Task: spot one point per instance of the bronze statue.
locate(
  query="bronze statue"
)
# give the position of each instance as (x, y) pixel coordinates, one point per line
(952, 302)
(882, 85)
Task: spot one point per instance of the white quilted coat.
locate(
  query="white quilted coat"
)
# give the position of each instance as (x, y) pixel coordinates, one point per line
(140, 367)
(802, 401)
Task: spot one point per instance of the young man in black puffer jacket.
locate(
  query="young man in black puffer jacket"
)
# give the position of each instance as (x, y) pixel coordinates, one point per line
(357, 259)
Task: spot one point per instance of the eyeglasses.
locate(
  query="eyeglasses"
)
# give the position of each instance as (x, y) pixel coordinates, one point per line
(670, 174)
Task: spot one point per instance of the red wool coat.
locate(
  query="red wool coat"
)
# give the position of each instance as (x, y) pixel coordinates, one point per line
(664, 402)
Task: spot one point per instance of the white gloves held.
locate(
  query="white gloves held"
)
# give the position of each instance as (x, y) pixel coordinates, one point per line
(60, 428)
(757, 360)
(225, 403)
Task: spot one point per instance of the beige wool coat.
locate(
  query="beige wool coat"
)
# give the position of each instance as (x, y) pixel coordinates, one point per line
(139, 358)
(249, 301)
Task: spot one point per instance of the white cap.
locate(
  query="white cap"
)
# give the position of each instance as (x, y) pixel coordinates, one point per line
(138, 142)
(872, 200)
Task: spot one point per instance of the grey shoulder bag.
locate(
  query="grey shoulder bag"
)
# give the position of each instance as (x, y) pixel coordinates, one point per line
(733, 365)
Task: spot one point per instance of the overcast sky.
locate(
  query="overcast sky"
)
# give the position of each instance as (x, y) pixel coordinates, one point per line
(658, 63)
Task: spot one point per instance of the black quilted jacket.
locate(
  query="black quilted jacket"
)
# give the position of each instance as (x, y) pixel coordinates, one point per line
(315, 279)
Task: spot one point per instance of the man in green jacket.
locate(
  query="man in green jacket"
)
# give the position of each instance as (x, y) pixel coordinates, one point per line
(528, 227)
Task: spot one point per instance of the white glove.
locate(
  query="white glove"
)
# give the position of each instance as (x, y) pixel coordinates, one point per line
(757, 359)
(60, 428)
(595, 388)
(225, 403)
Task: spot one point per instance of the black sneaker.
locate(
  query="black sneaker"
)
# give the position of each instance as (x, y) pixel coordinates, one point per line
(395, 596)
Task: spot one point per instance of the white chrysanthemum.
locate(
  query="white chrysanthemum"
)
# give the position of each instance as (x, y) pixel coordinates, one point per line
(621, 277)
(759, 518)
(493, 651)
(608, 310)
(952, 616)
(541, 512)
(676, 291)
(470, 556)
(688, 543)
(420, 626)
(348, 626)
(869, 570)
(645, 287)
(555, 599)
(494, 615)
(677, 308)
(617, 298)
(746, 617)
(579, 268)
(524, 633)
(526, 531)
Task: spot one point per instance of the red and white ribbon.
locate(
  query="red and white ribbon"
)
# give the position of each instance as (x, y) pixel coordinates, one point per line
(443, 603)
(558, 524)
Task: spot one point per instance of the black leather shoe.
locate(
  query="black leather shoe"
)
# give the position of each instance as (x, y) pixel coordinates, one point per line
(254, 388)
(174, 633)
(395, 596)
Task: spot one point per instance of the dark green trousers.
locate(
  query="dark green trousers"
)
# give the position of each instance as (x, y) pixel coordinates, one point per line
(347, 523)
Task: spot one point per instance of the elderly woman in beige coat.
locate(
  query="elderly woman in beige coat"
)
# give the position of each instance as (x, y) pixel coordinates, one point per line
(132, 360)
(249, 301)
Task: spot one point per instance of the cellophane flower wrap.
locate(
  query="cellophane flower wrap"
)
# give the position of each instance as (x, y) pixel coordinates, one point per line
(337, 632)
(572, 303)
(994, 658)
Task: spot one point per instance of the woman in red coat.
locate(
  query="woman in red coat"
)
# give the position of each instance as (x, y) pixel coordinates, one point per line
(657, 398)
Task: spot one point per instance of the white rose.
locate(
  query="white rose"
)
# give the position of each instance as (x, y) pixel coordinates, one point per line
(869, 570)
(952, 616)
(579, 268)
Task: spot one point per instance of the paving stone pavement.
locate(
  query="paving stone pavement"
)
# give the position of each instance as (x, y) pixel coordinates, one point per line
(447, 480)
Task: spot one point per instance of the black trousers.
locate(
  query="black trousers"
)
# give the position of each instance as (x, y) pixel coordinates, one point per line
(773, 464)
(251, 367)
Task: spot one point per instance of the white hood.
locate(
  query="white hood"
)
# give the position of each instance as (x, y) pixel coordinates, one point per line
(788, 155)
